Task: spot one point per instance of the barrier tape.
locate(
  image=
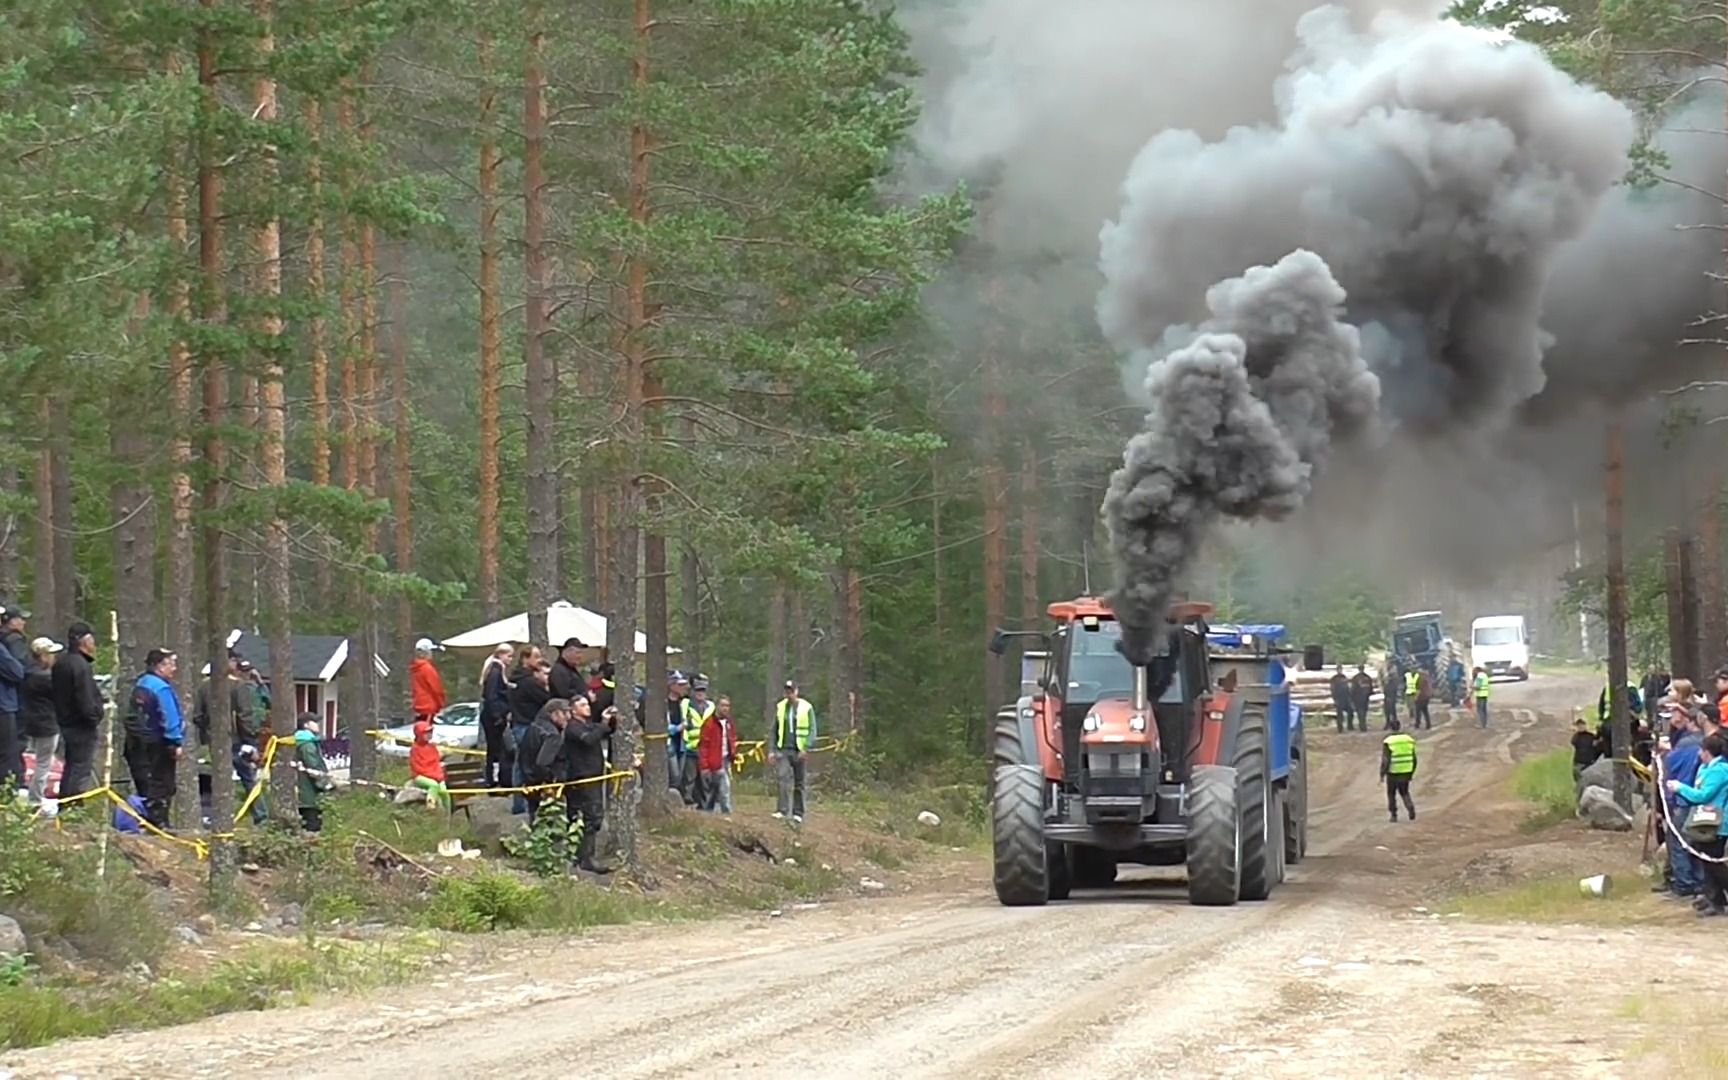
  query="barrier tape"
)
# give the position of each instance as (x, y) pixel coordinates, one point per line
(752, 750)
(1661, 792)
(443, 748)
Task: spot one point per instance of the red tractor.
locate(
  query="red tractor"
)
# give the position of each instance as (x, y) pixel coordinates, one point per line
(1194, 759)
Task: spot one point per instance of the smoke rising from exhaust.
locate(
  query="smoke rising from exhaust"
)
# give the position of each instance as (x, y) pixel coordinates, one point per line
(1241, 417)
(1430, 171)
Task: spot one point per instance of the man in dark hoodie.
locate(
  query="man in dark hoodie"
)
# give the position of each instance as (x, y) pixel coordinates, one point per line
(14, 662)
(586, 737)
(567, 680)
(542, 752)
(78, 707)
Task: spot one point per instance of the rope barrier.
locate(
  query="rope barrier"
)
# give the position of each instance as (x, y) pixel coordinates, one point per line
(1661, 792)
(753, 750)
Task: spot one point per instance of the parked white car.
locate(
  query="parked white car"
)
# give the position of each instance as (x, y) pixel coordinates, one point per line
(458, 725)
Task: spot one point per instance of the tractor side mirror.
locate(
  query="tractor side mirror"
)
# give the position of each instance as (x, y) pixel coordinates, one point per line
(999, 642)
(1313, 658)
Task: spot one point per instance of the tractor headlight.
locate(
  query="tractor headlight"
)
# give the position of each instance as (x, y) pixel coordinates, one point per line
(1137, 722)
(1028, 713)
(1090, 723)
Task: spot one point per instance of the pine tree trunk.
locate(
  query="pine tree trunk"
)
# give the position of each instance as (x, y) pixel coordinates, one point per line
(797, 637)
(1620, 717)
(8, 533)
(134, 530)
(180, 583)
(348, 446)
(541, 388)
(65, 526)
(1713, 604)
(43, 590)
(632, 739)
(936, 568)
(400, 486)
(276, 568)
(839, 659)
(242, 565)
(774, 687)
(995, 525)
(491, 342)
(1030, 594)
(852, 593)
(223, 867)
(318, 349)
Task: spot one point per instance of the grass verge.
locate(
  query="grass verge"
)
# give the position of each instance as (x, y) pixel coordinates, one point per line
(1553, 900)
(1545, 782)
(1700, 1058)
(35, 1011)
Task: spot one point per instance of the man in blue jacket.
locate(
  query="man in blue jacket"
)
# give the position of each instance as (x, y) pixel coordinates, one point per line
(1686, 873)
(155, 730)
(13, 653)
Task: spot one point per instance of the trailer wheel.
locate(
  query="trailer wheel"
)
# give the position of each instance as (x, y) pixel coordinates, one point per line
(1093, 868)
(1296, 805)
(1262, 840)
(1022, 861)
(1214, 836)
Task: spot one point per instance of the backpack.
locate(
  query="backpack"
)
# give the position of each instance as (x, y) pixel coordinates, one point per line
(139, 710)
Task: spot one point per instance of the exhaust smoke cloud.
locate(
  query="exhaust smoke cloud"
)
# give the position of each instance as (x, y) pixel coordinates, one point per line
(1401, 215)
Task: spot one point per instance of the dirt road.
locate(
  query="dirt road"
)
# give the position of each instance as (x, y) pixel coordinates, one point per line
(1343, 973)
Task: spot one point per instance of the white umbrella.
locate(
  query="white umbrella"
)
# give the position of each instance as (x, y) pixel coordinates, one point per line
(564, 620)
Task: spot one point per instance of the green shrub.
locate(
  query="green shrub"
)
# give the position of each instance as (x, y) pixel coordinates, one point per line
(549, 845)
(485, 901)
(1545, 782)
(54, 891)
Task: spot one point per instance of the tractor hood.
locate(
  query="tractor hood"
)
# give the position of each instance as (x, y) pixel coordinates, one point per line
(1117, 721)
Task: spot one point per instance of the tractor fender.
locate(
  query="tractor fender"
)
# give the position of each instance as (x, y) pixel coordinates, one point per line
(1027, 746)
(1218, 721)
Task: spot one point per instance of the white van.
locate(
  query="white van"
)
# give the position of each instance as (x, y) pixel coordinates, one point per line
(1500, 645)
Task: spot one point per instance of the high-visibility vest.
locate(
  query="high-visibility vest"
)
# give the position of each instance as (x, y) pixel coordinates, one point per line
(801, 724)
(694, 718)
(1482, 684)
(1410, 680)
(1402, 751)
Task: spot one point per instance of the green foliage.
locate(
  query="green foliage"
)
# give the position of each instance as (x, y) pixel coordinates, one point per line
(35, 1012)
(1545, 782)
(1350, 619)
(549, 845)
(1585, 590)
(490, 900)
(51, 887)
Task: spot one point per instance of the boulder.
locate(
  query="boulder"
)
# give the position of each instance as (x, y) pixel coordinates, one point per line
(1597, 806)
(12, 941)
(1599, 774)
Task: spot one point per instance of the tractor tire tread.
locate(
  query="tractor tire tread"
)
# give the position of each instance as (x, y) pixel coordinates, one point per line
(1022, 866)
(1214, 837)
(1259, 860)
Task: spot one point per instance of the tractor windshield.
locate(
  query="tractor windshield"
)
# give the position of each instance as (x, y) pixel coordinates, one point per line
(1096, 670)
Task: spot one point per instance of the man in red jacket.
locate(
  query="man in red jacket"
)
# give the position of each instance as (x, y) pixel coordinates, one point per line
(425, 684)
(714, 754)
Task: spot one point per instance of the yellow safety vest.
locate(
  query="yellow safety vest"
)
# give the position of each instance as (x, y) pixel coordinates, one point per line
(1410, 680)
(693, 721)
(1403, 754)
(801, 724)
(1482, 684)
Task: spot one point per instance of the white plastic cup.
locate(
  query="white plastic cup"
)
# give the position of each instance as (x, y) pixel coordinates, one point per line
(1597, 886)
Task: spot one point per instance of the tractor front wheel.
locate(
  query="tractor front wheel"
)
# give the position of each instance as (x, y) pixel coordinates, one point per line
(1262, 836)
(1022, 861)
(1214, 836)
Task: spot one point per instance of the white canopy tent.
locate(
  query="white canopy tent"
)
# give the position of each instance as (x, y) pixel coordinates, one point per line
(564, 620)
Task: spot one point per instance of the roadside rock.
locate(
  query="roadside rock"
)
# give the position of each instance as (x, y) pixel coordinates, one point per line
(291, 915)
(1597, 806)
(189, 936)
(1597, 774)
(12, 941)
(926, 817)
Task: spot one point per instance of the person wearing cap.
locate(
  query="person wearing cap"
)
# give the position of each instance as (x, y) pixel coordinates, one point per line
(14, 662)
(79, 709)
(694, 712)
(426, 766)
(426, 685)
(155, 735)
(245, 725)
(794, 730)
(567, 681)
(36, 719)
(677, 687)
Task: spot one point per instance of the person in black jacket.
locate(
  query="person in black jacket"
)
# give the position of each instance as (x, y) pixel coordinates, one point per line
(495, 687)
(586, 736)
(567, 680)
(531, 692)
(14, 662)
(542, 752)
(78, 708)
(36, 720)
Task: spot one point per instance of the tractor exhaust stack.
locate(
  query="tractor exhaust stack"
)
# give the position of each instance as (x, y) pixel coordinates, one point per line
(1140, 695)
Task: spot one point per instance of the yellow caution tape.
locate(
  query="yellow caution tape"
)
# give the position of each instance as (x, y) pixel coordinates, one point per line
(385, 736)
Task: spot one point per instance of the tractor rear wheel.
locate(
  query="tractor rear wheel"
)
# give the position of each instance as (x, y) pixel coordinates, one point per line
(1296, 804)
(1259, 832)
(1022, 861)
(1214, 836)
(1093, 867)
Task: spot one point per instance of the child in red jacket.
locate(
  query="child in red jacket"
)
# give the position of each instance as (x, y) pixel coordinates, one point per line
(426, 766)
